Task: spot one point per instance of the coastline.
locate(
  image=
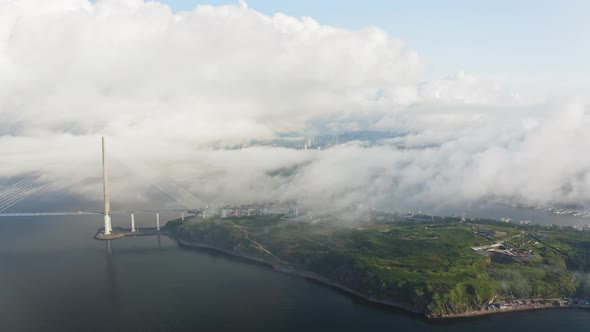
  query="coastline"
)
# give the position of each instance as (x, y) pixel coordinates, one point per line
(300, 273)
(500, 311)
(326, 282)
(120, 232)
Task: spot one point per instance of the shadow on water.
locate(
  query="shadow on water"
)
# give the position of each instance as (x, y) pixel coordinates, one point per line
(385, 309)
(361, 301)
(113, 287)
(356, 300)
(214, 253)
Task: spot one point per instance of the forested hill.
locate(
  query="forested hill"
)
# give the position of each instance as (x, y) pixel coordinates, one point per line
(427, 267)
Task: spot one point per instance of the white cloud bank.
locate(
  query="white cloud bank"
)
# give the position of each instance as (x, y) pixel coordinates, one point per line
(72, 71)
(230, 72)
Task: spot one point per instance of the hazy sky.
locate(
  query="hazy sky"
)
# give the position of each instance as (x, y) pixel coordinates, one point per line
(531, 44)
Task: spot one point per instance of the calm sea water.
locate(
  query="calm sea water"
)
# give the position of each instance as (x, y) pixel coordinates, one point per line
(496, 211)
(55, 277)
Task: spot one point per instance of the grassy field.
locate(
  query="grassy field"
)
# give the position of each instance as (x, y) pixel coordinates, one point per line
(428, 266)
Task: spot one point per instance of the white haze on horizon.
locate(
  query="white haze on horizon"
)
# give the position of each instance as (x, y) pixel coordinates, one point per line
(165, 86)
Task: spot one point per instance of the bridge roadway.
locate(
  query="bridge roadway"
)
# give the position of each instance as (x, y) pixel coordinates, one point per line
(107, 235)
(85, 213)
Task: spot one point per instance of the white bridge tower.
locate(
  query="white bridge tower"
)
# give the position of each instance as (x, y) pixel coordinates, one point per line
(107, 205)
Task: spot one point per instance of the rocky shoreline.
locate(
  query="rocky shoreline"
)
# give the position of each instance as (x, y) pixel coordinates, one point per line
(491, 309)
(497, 308)
(300, 273)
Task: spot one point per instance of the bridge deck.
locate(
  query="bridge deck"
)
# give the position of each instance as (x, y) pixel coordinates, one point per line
(83, 213)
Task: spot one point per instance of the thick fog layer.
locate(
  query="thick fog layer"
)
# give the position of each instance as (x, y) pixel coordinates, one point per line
(172, 91)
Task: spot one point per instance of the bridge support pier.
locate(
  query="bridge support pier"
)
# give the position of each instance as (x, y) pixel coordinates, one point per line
(107, 224)
(203, 214)
(132, 223)
(182, 216)
(158, 222)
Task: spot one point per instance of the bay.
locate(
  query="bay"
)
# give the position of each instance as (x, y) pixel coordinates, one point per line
(55, 277)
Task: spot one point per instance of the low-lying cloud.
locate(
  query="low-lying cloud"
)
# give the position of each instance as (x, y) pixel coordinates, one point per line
(166, 87)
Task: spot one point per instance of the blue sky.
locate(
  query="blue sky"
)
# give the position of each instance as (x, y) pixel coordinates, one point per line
(537, 39)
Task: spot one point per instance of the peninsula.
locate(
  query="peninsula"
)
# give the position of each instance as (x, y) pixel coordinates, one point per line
(440, 267)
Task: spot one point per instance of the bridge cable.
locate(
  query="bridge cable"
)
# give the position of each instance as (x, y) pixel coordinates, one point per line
(173, 190)
(19, 192)
(24, 194)
(9, 190)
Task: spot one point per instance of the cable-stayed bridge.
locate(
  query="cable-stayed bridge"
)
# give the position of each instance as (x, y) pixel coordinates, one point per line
(22, 189)
(33, 183)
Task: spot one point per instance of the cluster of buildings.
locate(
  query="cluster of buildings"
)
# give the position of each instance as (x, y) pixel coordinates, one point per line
(260, 209)
(241, 211)
(512, 252)
(535, 304)
(502, 249)
(522, 222)
(485, 232)
(397, 216)
(569, 212)
(323, 142)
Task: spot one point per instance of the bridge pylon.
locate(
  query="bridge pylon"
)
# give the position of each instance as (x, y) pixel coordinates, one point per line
(108, 227)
